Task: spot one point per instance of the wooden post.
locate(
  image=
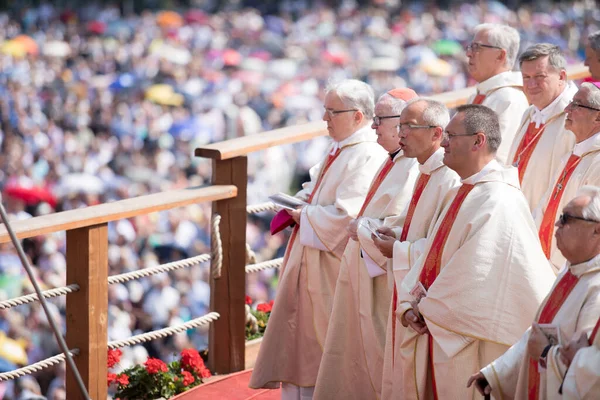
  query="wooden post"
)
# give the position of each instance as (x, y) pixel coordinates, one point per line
(87, 309)
(228, 293)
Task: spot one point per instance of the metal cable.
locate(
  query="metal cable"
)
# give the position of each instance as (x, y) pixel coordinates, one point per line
(258, 208)
(276, 263)
(30, 298)
(161, 333)
(188, 262)
(35, 367)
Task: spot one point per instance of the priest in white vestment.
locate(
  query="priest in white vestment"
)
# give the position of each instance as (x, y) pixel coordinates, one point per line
(421, 128)
(356, 334)
(592, 55)
(482, 275)
(579, 168)
(492, 55)
(542, 139)
(291, 349)
(533, 368)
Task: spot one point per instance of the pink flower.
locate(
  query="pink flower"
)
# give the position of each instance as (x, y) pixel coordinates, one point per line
(123, 380)
(111, 378)
(113, 357)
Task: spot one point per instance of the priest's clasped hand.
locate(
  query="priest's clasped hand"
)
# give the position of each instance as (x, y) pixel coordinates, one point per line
(414, 319)
(295, 214)
(385, 243)
(537, 341)
(481, 383)
(568, 352)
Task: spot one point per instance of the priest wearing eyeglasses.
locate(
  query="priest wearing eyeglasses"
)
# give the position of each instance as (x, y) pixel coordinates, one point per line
(482, 274)
(492, 55)
(356, 334)
(542, 139)
(291, 349)
(578, 168)
(535, 367)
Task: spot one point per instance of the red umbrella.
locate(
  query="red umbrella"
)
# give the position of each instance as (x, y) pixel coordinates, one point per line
(195, 17)
(96, 27)
(30, 194)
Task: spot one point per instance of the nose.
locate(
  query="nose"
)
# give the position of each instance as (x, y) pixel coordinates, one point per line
(374, 125)
(469, 52)
(325, 116)
(445, 142)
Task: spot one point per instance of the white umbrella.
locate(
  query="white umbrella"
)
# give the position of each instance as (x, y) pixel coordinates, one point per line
(79, 183)
(56, 48)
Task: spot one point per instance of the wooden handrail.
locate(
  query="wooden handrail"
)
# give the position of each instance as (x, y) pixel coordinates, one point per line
(107, 212)
(298, 133)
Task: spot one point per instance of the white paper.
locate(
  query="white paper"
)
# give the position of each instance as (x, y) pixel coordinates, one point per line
(286, 201)
(418, 291)
(370, 227)
(552, 332)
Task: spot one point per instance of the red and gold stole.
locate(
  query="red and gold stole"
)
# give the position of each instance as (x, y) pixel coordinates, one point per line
(479, 98)
(594, 332)
(330, 159)
(419, 188)
(387, 167)
(554, 302)
(547, 225)
(433, 262)
(525, 150)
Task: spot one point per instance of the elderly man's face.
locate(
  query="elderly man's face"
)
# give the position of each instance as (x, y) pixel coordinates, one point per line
(483, 60)
(340, 125)
(541, 82)
(457, 144)
(574, 236)
(582, 118)
(415, 140)
(592, 61)
(386, 130)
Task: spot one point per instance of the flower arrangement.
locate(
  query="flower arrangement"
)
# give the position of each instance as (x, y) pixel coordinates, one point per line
(155, 379)
(256, 320)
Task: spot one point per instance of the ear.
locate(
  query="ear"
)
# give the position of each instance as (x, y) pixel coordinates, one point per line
(563, 76)
(502, 56)
(480, 141)
(438, 134)
(358, 117)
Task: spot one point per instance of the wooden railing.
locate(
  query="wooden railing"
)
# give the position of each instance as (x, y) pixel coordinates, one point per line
(87, 250)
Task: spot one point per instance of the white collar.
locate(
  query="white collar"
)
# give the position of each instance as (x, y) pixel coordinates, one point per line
(340, 145)
(540, 117)
(507, 78)
(475, 178)
(588, 144)
(584, 267)
(434, 161)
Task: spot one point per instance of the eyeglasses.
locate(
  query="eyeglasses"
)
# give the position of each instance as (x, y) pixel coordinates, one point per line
(564, 219)
(407, 127)
(377, 120)
(574, 103)
(333, 113)
(448, 136)
(475, 47)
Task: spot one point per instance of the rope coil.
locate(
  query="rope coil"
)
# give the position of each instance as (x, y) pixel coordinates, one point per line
(36, 367)
(188, 262)
(161, 333)
(258, 208)
(216, 246)
(276, 263)
(30, 298)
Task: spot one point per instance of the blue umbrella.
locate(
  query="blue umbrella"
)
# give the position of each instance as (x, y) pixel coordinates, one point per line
(124, 81)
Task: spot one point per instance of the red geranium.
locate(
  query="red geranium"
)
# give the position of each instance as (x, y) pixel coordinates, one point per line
(154, 366)
(111, 378)
(187, 378)
(190, 359)
(248, 300)
(123, 379)
(114, 356)
(265, 307)
(205, 373)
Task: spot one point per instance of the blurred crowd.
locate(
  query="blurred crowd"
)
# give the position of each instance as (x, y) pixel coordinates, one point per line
(96, 106)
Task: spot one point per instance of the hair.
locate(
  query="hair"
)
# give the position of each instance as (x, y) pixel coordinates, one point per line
(396, 105)
(434, 114)
(483, 119)
(354, 94)
(556, 58)
(504, 37)
(592, 210)
(594, 40)
(593, 97)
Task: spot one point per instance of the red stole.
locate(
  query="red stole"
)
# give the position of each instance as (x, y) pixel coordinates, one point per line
(433, 262)
(419, 188)
(554, 302)
(479, 98)
(547, 225)
(594, 332)
(330, 159)
(526, 147)
(387, 167)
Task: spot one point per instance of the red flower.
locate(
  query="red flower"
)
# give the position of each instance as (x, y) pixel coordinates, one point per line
(264, 307)
(114, 356)
(187, 378)
(154, 366)
(204, 373)
(123, 380)
(248, 300)
(191, 360)
(111, 378)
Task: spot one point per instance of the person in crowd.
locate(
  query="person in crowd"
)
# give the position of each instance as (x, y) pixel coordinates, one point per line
(362, 294)
(401, 239)
(542, 139)
(592, 55)
(534, 367)
(492, 55)
(337, 189)
(578, 168)
(482, 261)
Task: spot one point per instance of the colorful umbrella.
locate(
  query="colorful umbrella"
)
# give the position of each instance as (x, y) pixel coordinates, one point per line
(30, 194)
(169, 19)
(30, 45)
(446, 47)
(13, 48)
